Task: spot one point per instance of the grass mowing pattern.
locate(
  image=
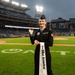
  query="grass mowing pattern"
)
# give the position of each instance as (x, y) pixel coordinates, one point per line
(69, 40)
(16, 63)
(63, 64)
(23, 64)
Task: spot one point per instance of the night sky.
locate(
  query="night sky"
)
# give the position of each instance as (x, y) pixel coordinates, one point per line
(52, 8)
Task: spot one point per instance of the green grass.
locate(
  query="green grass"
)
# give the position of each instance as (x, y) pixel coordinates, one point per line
(16, 63)
(69, 40)
(16, 40)
(23, 63)
(63, 64)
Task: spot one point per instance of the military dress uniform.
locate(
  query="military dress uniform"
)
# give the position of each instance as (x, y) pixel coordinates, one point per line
(45, 36)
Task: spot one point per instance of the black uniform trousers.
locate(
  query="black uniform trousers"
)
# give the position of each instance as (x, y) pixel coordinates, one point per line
(48, 60)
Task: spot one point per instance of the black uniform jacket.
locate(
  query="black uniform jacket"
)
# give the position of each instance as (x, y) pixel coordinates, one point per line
(46, 36)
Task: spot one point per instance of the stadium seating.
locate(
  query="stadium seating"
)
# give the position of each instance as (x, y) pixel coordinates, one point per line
(10, 32)
(14, 14)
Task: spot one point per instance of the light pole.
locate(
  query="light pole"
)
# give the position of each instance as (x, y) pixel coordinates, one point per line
(24, 6)
(5, 0)
(39, 10)
(15, 3)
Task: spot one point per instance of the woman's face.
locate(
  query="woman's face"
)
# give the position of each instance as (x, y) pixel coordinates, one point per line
(42, 22)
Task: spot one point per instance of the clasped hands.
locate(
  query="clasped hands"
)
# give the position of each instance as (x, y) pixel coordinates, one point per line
(36, 42)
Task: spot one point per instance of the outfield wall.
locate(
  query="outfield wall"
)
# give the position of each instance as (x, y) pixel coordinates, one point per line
(64, 34)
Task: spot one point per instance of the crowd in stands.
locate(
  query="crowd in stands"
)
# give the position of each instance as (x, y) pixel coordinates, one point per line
(14, 14)
(63, 33)
(15, 32)
(12, 32)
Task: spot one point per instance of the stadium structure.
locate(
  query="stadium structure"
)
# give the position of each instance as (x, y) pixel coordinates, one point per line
(14, 21)
(62, 27)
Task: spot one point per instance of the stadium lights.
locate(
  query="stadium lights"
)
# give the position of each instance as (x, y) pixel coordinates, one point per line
(5, 0)
(39, 8)
(23, 5)
(15, 3)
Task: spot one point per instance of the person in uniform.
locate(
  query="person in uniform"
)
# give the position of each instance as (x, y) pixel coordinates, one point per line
(42, 35)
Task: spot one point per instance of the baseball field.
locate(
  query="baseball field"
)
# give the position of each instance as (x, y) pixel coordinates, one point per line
(17, 56)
